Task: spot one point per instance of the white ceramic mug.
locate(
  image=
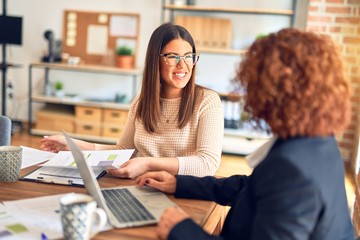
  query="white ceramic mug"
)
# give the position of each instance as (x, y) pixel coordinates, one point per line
(80, 218)
(10, 163)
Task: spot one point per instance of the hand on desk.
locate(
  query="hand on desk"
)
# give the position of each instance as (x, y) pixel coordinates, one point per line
(132, 168)
(166, 183)
(138, 166)
(162, 181)
(170, 217)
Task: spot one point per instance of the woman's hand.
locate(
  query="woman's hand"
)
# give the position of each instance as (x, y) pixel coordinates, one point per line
(166, 183)
(162, 181)
(54, 143)
(132, 168)
(168, 220)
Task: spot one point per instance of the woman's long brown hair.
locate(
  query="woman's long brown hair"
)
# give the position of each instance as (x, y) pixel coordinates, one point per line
(149, 104)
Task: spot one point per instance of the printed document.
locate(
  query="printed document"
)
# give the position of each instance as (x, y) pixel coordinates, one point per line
(28, 218)
(32, 156)
(103, 159)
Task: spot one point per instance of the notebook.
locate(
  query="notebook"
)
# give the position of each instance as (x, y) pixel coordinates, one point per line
(125, 206)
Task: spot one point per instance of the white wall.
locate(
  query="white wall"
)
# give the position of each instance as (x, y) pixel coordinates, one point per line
(41, 15)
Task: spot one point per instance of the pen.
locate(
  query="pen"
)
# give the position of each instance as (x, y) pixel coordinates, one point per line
(44, 237)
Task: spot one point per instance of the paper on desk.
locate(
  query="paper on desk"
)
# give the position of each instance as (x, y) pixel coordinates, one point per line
(36, 215)
(12, 228)
(104, 158)
(32, 156)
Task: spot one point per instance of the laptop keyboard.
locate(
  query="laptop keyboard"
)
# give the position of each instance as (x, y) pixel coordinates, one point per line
(125, 206)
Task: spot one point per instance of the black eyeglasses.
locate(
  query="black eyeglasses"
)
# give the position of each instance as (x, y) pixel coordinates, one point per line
(173, 59)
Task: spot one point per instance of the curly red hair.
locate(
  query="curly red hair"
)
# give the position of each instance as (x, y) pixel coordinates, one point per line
(296, 83)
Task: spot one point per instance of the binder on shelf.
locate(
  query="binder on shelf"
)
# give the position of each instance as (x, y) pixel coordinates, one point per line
(232, 112)
(208, 32)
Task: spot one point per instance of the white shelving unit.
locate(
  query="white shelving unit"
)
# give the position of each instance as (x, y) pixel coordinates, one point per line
(134, 74)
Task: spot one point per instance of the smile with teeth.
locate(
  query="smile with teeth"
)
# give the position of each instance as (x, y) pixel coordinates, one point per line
(180, 74)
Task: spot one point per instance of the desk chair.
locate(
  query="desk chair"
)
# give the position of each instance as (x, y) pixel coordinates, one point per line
(5, 130)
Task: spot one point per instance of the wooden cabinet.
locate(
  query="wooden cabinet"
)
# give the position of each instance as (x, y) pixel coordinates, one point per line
(85, 119)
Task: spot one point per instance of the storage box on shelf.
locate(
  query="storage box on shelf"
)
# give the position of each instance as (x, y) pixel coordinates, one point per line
(55, 120)
(112, 131)
(100, 122)
(114, 122)
(88, 120)
(88, 128)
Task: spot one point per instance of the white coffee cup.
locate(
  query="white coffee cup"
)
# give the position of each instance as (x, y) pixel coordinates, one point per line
(80, 218)
(10, 163)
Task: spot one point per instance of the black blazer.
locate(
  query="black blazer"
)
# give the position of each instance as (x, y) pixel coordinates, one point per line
(296, 192)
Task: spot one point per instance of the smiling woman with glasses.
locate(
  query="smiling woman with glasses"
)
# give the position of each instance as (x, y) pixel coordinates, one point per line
(173, 124)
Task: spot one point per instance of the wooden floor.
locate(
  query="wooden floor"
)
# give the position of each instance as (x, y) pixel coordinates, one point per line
(230, 164)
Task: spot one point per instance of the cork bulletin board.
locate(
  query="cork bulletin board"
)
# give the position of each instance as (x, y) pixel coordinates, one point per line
(93, 36)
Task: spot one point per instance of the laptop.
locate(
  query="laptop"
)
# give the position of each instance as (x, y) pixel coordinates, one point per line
(125, 206)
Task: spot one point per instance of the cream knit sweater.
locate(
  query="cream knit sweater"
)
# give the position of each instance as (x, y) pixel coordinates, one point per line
(197, 146)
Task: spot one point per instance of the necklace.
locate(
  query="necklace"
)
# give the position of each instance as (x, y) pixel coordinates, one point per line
(170, 109)
(167, 119)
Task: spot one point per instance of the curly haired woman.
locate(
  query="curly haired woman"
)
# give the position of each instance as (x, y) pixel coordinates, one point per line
(295, 82)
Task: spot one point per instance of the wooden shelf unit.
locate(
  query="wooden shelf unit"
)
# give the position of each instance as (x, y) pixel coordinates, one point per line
(195, 8)
(226, 10)
(235, 52)
(87, 68)
(73, 101)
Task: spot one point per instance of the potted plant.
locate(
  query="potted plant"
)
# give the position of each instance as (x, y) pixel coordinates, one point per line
(59, 89)
(125, 57)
